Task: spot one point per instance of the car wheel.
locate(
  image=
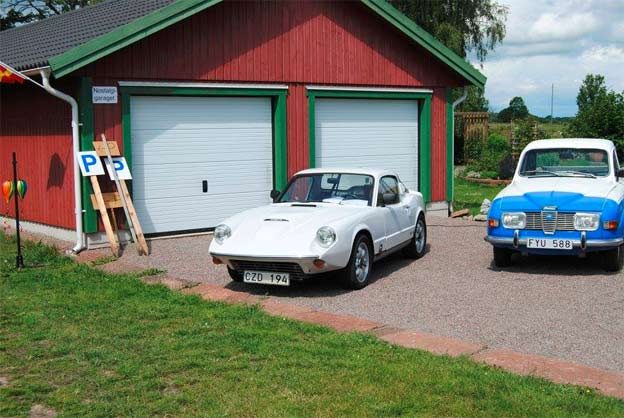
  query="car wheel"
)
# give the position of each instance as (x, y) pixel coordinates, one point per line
(357, 273)
(237, 276)
(613, 260)
(418, 245)
(502, 257)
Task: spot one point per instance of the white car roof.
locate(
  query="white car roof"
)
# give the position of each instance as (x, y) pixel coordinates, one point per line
(375, 172)
(596, 143)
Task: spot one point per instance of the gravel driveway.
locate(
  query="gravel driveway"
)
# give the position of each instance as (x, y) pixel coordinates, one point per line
(553, 306)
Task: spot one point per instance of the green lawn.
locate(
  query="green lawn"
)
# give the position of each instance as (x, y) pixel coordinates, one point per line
(86, 343)
(470, 195)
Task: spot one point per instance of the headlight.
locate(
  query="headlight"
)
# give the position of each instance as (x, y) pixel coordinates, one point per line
(514, 220)
(586, 221)
(221, 233)
(326, 236)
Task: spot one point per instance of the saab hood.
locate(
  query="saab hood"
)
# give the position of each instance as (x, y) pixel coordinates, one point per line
(564, 193)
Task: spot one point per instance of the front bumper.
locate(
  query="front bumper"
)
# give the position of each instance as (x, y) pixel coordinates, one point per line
(297, 266)
(582, 244)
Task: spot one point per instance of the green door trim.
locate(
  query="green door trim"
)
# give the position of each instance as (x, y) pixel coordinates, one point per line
(424, 125)
(87, 134)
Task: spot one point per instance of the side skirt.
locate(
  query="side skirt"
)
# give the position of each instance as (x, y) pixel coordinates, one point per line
(392, 250)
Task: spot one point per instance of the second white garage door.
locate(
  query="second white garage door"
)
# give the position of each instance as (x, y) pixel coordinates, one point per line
(368, 134)
(198, 160)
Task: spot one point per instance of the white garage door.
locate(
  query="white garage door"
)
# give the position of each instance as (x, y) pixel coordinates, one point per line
(198, 160)
(368, 134)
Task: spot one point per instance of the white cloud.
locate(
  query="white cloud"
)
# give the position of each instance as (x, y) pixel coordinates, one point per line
(551, 26)
(556, 42)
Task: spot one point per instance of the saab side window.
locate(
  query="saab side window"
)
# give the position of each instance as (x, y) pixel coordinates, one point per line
(388, 191)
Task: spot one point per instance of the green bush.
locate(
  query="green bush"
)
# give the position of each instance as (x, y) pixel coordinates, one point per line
(496, 148)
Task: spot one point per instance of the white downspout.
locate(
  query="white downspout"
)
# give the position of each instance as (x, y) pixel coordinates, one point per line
(455, 104)
(45, 77)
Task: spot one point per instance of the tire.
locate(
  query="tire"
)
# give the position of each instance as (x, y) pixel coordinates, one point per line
(418, 244)
(357, 273)
(237, 276)
(502, 257)
(613, 260)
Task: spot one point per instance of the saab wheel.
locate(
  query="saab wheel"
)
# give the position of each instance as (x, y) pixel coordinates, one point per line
(237, 276)
(502, 257)
(613, 260)
(418, 245)
(357, 273)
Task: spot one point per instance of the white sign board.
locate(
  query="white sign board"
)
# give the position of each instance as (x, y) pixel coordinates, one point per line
(90, 164)
(104, 95)
(121, 167)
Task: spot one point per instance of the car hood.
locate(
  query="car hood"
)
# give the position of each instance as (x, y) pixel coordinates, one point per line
(283, 228)
(564, 193)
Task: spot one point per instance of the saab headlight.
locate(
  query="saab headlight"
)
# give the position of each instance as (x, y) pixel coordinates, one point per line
(221, 233)
(586, 221)
(326, 236)
(514, 220)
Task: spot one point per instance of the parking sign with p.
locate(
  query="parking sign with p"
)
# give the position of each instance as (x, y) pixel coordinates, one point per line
(90, 164)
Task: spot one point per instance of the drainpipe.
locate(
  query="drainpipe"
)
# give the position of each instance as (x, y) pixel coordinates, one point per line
(45, 77)
(455, 104)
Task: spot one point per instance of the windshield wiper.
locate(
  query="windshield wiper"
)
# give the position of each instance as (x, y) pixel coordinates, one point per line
(536, 173)
(580, 173)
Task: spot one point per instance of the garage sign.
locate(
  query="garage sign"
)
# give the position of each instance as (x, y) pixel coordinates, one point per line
(104, 95)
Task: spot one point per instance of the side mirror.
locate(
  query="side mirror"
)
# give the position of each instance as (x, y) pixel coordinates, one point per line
(274, 194)
(620, 173)
(390, 198)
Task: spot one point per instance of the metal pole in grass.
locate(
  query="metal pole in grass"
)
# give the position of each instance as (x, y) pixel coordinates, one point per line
(19, 260)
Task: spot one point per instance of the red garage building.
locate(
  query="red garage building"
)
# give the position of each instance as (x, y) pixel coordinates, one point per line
(214, 103)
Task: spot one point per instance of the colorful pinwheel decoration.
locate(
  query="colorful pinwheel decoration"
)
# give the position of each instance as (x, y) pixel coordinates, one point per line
(7, 190)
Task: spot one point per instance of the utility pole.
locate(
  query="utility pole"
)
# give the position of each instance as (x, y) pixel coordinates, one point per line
(552, 100)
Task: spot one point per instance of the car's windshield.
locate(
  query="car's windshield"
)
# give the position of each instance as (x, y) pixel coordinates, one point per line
(565, 162)
(338, 188)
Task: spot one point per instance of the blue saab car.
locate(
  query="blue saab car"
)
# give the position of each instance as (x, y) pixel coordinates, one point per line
(566, 198)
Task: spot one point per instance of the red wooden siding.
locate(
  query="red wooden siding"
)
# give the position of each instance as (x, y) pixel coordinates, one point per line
(285, 41)
(37, 127)
(297, 43)
(438, 145)
(297, 128)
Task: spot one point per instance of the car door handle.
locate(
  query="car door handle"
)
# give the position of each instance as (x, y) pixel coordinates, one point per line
(205, 186)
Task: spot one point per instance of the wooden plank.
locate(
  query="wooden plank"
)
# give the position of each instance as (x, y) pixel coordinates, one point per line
(112, 200)
(101, 149)
(460, 213)
(110, 234)
(142, 247)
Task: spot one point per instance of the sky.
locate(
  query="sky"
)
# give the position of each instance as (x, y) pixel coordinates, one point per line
(555, 41)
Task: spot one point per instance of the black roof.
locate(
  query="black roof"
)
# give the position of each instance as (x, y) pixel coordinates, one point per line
(30, 46)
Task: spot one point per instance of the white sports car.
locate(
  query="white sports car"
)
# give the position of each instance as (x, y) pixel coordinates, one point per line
(326, 220)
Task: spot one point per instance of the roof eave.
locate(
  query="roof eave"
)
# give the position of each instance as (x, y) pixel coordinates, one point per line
(125, 35)
(147, 25)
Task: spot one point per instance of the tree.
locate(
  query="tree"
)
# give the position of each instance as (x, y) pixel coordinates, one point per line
(475, 101)
(17, 12)
(516, 110)
(600, 112)
(462, 25)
